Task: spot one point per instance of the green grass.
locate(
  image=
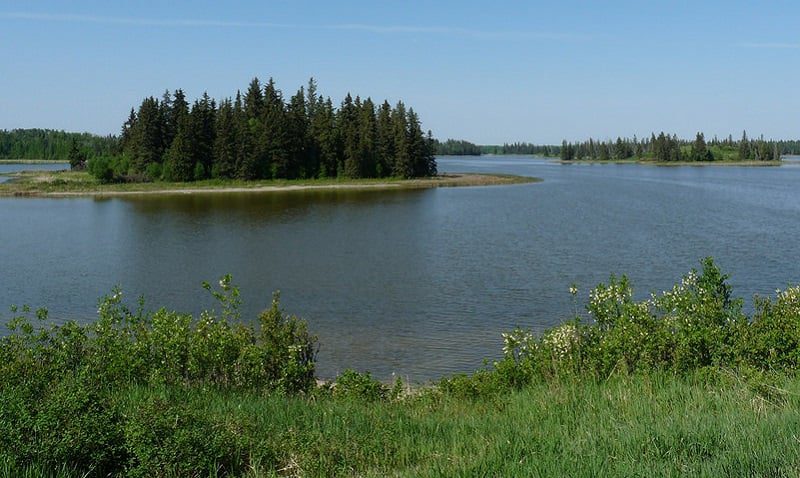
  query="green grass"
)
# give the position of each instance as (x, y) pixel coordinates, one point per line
(629, 426)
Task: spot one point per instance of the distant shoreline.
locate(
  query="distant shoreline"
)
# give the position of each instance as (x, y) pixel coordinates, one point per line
(76, 184)
(674, 163)
(34, 161)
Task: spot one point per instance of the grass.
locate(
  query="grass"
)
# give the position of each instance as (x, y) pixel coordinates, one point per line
(657, 425)
(68, 183)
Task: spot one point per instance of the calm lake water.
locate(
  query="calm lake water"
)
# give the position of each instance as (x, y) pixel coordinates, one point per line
(6, 168)
(417, 283)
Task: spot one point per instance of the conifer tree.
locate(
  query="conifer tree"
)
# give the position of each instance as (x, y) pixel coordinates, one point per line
(225, 142)
(202, 123)
(700, 151)
(179, 162)
(385, 147)
(274, 137)
(403, 166)
(326, 135)
(76, 156)
(147, 142)
(347, 123)
(367, 139)
(297, 138)
(744, 148)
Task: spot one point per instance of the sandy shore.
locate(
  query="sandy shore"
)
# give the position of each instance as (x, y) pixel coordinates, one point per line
(47, 189)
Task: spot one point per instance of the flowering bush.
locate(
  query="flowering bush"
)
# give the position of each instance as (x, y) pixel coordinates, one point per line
(694, 325)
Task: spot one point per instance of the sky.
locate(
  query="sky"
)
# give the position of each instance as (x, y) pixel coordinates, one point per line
(487, 72)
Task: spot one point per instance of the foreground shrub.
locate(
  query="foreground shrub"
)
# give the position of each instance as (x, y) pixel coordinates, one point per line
(695, 325)
(126, 347)
(165, 437)
(60, 385)
(358, 386)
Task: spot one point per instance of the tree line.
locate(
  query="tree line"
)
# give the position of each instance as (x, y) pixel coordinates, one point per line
(465, 148)
(259, 135)
(669, 148)
(49, 144)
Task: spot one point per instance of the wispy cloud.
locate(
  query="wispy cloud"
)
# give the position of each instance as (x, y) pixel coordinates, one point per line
(774, 46)
(377, 29)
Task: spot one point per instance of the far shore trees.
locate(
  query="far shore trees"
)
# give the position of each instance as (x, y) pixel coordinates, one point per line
(665, 148)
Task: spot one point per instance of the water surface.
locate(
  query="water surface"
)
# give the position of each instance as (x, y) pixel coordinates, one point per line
(6, 168)
(417, 283)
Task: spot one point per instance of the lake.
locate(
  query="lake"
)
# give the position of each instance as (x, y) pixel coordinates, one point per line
(6, 168)
(415, 283)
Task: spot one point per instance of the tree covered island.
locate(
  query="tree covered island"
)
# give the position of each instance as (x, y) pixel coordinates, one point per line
(260, 135)
(666, 148)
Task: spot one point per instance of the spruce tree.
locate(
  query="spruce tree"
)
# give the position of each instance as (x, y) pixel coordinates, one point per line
(700, 151)
(368, 139)
(347, 123)
(274, 136)
(385, 147)
(179, 162)
(744, 148)
(297, 138)
(225, 142)
(403, 166)
(76, 156)
(147, 137)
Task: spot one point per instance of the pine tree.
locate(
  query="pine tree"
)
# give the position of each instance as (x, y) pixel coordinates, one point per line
(700, 151)
(202, 127)
(744, 148)
(403, 166)
(147, 142)
(76, 157)
(274, 136)
(179, 162)
(347, 123)
(368, 139)
(326, 136)
(297, 137)
(313, 105)
(225, 142)
(385, 147)
(125, 141)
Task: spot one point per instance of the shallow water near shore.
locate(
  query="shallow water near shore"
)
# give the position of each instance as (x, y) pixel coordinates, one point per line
(419, 283)
(6, 168)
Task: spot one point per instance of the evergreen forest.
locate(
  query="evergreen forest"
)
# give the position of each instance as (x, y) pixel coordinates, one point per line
(668, 148)
(259, 134)
(48, 144)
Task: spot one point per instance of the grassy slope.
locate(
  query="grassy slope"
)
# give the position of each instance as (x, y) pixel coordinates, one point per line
(629, 426)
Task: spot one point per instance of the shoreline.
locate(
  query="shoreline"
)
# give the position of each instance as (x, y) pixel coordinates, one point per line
(34, 161)
(41, 184)
(750, 164)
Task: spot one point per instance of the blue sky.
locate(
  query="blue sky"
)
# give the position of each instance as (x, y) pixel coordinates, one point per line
(489, 72)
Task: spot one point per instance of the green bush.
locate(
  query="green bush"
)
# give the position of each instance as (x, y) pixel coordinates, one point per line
(358, 386)
(167, 438)
(695, 325)
(101, 167)
(70, 422)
